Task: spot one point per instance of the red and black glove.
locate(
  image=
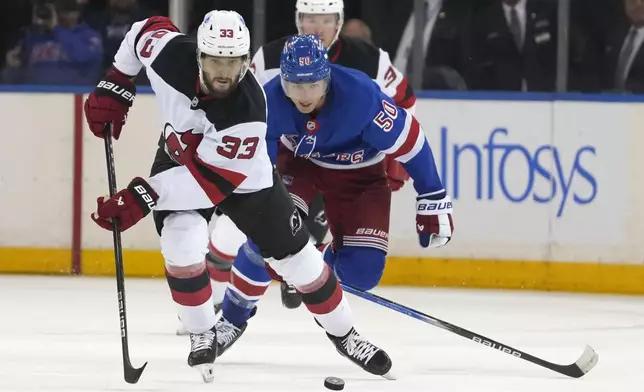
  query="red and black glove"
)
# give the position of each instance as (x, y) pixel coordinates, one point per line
(109, 102)
(128, 206)
(396, 173)
(434, 222)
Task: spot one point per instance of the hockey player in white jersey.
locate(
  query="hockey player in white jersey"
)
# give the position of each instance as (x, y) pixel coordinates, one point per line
(212, 152)
(323, 18)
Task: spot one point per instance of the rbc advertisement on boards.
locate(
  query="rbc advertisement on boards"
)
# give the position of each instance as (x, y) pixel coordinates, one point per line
(498, 167)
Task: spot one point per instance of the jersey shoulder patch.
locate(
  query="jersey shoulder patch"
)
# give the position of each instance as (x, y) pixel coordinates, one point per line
(358, 54)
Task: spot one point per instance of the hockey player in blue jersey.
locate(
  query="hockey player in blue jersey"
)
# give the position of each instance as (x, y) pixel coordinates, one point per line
(329, 129)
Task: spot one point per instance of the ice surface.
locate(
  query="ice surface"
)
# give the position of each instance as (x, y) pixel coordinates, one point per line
(61, 334)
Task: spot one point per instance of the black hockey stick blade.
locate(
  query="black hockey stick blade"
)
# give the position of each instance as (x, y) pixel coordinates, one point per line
(130, 373)
(581, 366)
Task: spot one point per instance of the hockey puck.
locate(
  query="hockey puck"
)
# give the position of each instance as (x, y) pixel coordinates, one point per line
(334, 383)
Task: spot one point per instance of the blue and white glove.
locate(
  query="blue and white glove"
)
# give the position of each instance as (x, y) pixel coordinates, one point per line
(434, 222)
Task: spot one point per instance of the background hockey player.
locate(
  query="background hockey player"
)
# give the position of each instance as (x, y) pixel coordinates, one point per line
(335, 127)
(213, 153)
(323, 18)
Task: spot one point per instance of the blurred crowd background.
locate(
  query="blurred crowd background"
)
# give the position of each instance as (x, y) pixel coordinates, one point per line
(507, 45)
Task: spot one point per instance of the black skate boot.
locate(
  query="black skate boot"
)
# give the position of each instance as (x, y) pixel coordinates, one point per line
(228, 334)
(291, 299)
(363, 353)
(203, 352)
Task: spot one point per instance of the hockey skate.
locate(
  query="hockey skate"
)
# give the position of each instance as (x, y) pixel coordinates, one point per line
(291, 299)
(363, 353)
(181, 329)
(228, 334)
(203, 353)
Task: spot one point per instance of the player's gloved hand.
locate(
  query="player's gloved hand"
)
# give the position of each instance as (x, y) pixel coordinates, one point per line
(396, 173)
(434, 222)
(109, 102)
(127, 206)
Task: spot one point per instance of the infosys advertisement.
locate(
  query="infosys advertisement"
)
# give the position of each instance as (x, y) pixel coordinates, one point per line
(533, 179)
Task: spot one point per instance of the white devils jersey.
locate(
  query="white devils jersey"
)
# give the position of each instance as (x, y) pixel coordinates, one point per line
(348, 52)
(209, 147)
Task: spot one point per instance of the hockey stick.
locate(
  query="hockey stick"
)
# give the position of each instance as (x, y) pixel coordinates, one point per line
(583, 365)
(131, 374)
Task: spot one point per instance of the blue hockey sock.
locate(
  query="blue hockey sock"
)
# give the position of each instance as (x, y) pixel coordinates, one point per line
(249, 281)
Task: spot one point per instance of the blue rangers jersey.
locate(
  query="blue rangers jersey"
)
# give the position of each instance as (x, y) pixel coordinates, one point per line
(357, 126)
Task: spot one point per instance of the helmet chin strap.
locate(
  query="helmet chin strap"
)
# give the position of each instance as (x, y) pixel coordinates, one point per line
(337, 34)
(244, 68)
(202, 84)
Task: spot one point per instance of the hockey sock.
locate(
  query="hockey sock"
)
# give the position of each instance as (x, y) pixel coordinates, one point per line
(193, 296)
(219, 266)
(325, 299)
(249, 281)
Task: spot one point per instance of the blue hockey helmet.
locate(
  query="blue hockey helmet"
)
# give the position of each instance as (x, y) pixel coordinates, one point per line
(305, 71)
(304, 60)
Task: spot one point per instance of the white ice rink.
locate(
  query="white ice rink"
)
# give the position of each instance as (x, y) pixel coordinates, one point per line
(61, 334)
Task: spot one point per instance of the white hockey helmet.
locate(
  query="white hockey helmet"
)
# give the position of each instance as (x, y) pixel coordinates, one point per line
(224, 34)
(320, 7)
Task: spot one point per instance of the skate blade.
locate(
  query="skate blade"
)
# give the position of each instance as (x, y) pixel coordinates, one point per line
(389, 376)
(207, 371)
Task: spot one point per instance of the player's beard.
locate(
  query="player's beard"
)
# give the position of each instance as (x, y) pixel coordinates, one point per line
(220, 87)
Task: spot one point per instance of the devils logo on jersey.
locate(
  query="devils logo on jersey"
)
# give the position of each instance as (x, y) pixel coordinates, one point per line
(180, 145)
(320, 219)
(296, 222)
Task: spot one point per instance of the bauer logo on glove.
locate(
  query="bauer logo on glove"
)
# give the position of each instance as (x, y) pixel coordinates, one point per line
(127, 206)
(109, 103)
(434, 222)
(117, 90)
